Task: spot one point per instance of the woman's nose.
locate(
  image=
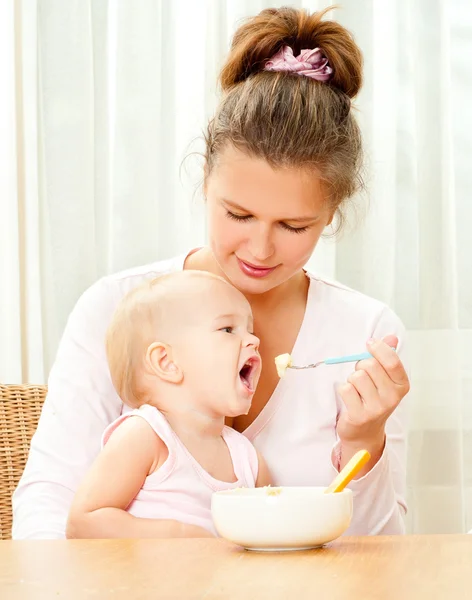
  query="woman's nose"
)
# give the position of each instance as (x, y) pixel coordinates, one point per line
(260, 244)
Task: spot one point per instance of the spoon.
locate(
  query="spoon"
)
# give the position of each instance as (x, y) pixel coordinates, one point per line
(284, 361)
(336, 360)
(352, 468)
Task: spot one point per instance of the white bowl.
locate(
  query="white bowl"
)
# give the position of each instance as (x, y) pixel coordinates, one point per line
(285, 518)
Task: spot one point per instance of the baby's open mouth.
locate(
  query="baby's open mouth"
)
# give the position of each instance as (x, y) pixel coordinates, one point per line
(248, 371)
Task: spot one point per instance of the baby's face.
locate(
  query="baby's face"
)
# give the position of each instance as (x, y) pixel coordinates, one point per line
(218, 352)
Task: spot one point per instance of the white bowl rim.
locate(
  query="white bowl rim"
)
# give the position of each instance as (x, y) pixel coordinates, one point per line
(306, 491)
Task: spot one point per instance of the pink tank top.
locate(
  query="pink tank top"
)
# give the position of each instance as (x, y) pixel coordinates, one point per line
(181, 489)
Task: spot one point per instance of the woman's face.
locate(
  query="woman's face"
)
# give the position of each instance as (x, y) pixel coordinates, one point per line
(263, 223)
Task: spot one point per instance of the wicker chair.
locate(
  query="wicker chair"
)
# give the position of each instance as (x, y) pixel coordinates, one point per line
(20, 408)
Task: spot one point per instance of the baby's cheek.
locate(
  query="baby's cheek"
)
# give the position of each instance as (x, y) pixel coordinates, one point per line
(226, 354)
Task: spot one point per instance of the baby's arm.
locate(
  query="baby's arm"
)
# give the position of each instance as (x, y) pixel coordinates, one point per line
(99, 507)
(263, 474)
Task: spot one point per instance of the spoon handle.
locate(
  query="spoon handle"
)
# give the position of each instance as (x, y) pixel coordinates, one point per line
(352, 468)
(348, 358)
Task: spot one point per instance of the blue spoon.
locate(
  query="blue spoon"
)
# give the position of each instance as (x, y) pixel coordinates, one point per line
(337, 360)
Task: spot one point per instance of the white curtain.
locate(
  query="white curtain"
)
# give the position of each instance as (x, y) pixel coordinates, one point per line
(102, 100)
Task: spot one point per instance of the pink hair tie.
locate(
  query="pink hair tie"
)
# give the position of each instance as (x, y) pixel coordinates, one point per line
(310, 63)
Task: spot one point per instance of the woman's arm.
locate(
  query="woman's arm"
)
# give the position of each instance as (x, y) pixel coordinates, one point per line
(81, 403)
(380, 490)
(99, 507)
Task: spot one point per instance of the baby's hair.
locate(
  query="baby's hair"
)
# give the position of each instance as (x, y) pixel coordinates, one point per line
(138, 322)
(287, 119)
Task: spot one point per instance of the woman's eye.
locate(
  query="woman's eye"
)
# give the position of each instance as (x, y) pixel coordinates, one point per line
(240, 218)
(227, 329)
(243, 218)
(294, 229)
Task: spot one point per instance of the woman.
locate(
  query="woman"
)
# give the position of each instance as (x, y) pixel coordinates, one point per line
(283, 155)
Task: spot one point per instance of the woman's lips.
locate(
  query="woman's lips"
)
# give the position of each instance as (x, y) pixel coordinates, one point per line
(253, 270)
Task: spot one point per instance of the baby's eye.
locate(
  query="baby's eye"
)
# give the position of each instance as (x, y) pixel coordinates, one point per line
(227, 329)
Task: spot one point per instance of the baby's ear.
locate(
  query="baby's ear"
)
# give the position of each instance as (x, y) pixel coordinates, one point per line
(159, 362)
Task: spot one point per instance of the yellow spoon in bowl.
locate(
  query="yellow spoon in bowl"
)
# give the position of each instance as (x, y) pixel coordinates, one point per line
(352, 468)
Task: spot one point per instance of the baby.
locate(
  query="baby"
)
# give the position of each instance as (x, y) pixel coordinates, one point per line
(183, 356)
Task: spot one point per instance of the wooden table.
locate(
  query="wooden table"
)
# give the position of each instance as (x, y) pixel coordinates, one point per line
(410, 567)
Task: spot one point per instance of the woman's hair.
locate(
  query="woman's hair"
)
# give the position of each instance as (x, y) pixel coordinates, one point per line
(288, 119)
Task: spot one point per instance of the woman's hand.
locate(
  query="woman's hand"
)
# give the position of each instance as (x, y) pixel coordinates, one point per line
(372, 392)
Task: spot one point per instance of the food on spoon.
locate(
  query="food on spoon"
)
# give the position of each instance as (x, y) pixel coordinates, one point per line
(282, 363)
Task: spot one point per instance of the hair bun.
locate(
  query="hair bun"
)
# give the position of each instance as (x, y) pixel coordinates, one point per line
(260, 37)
